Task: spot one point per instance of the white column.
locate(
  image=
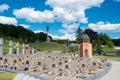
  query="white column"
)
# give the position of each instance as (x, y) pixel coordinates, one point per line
(1, 46)
(17, 45)
(10, 47)
(33, 50)
(23, 49)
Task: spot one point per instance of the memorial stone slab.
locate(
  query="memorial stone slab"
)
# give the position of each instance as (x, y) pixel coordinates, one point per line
(17, 46)
(1, 46)
(23, 48)
(10, 47)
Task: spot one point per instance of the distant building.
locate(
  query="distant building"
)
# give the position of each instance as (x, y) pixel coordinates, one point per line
(84, 47)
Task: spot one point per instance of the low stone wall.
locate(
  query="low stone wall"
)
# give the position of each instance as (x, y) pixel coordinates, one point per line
(100, 74)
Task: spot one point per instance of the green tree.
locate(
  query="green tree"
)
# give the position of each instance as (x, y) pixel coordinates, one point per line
(78, 34)
(19, 33)
(116, 42)
(110, 44)
(94, 44)
(67, 42)
(105, 40)
(92, 34)
(99, 48)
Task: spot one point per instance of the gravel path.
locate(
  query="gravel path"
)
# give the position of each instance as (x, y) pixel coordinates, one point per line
(114, 73)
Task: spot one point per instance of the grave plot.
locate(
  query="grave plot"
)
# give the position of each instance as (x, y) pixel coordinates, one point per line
(54, 66)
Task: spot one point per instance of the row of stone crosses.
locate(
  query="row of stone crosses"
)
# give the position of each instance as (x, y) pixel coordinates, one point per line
(25, 48)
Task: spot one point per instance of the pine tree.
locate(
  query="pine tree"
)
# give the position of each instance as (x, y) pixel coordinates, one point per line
(78, 34)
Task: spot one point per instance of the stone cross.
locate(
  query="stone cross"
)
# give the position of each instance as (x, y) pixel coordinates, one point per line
(10, 47)
(23, 49)
(17, 46)
(1, 46)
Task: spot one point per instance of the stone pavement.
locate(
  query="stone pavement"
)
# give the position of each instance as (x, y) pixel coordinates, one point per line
(114, 73)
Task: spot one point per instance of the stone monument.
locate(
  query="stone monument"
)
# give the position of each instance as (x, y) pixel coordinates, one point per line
(1, 46)
(10, 47)
(23, 49)
(47, 39)
(33, 50)
(84, 47)
(17, 46)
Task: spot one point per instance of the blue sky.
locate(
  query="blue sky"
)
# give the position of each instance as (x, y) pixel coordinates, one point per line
(63, 16)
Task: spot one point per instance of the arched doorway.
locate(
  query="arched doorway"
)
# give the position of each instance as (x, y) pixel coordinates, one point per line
(86, 53)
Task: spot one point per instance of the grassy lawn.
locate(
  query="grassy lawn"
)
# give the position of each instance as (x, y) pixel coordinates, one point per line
(116, 58)
(49, 46)
(7, 76)
(6, 46)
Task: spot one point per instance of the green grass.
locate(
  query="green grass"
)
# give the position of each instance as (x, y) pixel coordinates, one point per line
(7, 76)
(6, 46)
(49, 46)
(116, 58)
(107, 49)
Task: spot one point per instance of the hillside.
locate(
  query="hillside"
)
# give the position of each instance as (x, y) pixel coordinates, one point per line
(19, 33)
(49, 46)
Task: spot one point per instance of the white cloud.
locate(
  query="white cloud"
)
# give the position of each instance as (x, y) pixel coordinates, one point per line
(38, 31)
(72, 10)
(25, 26)
(69, 28)
(4, 7)
(103, 27)
(34, 16)
(65, 11)
(66, 36)
(69, 12)
(8, 20)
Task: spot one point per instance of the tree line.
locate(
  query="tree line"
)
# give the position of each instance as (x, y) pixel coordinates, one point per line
(116, 42)
(19, 33)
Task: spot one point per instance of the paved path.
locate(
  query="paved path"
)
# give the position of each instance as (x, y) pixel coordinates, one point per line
(114, 73)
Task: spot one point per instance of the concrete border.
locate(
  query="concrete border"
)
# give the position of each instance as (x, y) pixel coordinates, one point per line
(16, 71)
(99, 75)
